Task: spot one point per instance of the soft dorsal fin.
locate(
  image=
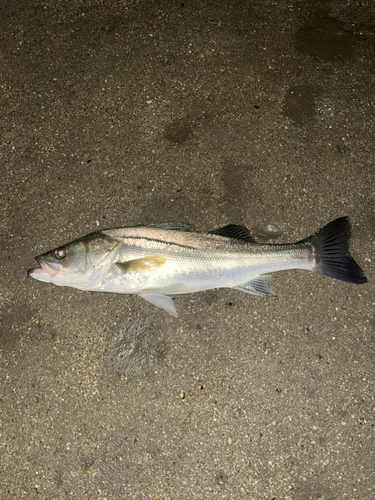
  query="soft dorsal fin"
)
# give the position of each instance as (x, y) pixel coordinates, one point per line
(234, 231)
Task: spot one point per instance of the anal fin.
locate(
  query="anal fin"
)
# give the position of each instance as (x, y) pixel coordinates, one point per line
(257, 286)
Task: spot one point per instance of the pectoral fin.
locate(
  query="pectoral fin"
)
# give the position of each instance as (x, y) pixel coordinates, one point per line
(257, 286)
(140, 265)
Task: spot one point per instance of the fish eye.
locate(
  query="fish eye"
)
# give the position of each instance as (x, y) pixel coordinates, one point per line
(60, 253)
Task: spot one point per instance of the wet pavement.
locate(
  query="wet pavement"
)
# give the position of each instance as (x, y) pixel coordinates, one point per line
(127, 112)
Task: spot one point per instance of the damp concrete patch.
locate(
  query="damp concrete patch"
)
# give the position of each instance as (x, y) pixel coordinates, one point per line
(299, 103)
(179, 131)
(136, 347)
(325, 37)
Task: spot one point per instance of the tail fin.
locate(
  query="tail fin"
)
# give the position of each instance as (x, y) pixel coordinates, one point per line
(331, 248)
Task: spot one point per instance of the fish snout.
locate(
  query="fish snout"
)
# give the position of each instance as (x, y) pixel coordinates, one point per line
(45, 267)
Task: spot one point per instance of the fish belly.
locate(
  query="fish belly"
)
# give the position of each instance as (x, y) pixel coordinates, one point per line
(192, 275)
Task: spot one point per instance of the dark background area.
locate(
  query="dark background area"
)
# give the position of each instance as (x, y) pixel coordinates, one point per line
(127, 112)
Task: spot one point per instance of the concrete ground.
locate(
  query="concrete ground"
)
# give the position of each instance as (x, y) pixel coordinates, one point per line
(126, 112)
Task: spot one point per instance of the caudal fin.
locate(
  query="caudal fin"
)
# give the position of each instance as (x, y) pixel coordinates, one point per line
(331, 246)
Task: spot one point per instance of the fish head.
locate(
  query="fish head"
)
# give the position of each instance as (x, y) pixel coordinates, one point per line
(80, 264)
(64, 265)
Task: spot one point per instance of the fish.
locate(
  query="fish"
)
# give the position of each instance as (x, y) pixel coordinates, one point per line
(157, 261)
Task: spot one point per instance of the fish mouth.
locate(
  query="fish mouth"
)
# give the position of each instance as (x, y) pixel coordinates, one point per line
(44, 269)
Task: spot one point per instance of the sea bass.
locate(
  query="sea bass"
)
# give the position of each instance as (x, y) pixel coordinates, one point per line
(154, 262)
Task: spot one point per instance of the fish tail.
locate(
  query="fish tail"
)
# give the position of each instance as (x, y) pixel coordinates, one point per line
(331, 250)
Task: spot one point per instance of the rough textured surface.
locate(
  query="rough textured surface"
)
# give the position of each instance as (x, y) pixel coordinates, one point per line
(125, 112)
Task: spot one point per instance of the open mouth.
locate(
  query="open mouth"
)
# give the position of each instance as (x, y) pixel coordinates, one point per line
(46, 268)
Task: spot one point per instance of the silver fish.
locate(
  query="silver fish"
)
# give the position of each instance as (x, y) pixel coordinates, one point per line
(154, 262)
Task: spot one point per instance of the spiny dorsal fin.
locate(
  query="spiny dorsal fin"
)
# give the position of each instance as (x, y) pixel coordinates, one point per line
(172, 226)
(234, 231)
